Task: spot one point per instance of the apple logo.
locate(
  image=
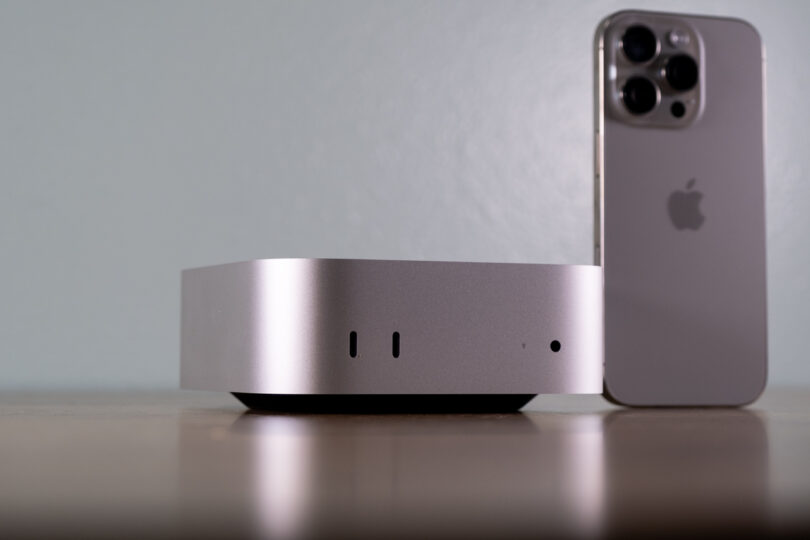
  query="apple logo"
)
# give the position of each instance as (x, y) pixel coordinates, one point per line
(684, 208)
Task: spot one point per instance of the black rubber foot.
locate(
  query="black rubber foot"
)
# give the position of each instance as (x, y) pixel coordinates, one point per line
(385, 403)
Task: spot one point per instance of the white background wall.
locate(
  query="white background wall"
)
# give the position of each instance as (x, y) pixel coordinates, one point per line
(140, 138)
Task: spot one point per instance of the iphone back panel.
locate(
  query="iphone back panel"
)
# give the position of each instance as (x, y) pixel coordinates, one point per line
(681, 208)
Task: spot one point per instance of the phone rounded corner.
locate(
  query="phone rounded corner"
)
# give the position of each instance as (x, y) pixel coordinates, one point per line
(750, 27)
(600, 30)
(753, 30)
(610, 396)
(756, 393)
(606, 21)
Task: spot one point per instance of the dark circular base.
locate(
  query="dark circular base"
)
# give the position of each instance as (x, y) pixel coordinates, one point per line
(385, 403)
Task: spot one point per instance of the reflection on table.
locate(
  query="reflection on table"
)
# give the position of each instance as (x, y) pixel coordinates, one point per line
(503, 476)
(196, 465)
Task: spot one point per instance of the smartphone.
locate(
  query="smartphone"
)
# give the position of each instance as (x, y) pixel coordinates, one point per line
(680, 208)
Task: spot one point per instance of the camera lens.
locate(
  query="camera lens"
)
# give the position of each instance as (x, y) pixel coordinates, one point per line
(639, 44)
(681, 72)
(639, 95)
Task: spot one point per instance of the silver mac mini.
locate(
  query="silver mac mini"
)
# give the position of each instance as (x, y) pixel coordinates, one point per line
(331, 335)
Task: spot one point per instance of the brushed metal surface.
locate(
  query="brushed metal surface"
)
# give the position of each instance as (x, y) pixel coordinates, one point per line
(685, 310)
(281, 326)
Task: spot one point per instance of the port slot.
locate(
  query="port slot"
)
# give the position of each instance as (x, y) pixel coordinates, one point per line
(353, 344)
(395, 345)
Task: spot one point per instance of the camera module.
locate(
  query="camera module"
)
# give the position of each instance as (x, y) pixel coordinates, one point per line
(681, 72)
(640, 95)
(639, 44)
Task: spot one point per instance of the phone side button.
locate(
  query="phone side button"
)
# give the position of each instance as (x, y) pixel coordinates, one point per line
(597, 155)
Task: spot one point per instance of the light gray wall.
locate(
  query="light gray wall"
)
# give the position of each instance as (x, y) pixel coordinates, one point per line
(140, 138)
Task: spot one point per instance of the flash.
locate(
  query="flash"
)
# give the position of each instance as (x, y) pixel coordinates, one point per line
(678, 38)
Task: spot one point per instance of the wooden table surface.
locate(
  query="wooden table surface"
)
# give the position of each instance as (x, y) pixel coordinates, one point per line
(198, 465)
